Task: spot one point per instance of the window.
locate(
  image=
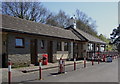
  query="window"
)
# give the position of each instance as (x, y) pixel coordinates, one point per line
(65, 46)
(90, 46)
(102, 47)
(4, 42)
(81, 46)
(97, 48)
(59, 46)
(42, 44)
(75, 45)
(19, 42)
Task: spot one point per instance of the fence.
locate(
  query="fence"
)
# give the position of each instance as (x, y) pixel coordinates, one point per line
(100, 54)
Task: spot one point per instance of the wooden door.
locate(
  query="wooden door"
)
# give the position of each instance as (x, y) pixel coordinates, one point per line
(4, 60)
(50, 51)
(75, 50)
(33, 51)
(3, 52)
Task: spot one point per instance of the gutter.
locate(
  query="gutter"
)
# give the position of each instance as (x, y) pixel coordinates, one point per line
(15, 31)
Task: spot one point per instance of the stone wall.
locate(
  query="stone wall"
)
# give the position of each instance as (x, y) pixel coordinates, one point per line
(70, 50)
(19, 56)
(63, 54)
(22, 56)
(54, 58)
(20, 59)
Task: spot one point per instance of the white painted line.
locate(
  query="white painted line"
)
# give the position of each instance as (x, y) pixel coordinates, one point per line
(54, 75)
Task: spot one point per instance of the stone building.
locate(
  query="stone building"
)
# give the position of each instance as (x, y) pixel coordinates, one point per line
(24, 42)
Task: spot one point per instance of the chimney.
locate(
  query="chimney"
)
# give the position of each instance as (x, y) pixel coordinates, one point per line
(73, 22)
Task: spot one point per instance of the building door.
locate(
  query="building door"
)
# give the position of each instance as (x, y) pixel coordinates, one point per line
(3, 52)
(50, 51)
(4, 60)
(33, 51)
(75, 50)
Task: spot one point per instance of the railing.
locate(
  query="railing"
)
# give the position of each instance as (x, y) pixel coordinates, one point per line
(100, 54)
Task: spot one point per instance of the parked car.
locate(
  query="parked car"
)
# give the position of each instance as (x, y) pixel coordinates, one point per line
(109, 58)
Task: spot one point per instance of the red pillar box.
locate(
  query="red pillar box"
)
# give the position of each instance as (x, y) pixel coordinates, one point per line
(45, 59)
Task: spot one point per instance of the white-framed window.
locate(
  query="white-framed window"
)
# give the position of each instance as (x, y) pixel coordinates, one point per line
(59, 46)
(42, 44)
(19, 42)
(65, 46)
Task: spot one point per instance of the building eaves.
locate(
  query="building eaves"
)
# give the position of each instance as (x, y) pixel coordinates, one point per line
(88, 37)
(21, 25)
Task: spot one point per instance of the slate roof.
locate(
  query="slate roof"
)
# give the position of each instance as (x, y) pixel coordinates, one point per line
(21, 25)
(89, 37)
(25, 26)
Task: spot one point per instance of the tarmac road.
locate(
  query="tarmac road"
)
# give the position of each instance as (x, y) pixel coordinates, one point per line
(103, 72)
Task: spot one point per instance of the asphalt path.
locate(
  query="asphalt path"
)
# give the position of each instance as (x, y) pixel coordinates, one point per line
(103, 72)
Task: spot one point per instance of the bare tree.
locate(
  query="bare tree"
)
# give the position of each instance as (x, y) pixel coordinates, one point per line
(33, 11)
(82, 16)
(51, 21)
(86, 23)
(61, 19)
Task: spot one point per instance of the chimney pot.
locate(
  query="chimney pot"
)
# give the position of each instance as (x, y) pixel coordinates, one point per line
(73, 22)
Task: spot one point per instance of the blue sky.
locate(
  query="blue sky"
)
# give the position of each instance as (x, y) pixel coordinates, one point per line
(104, 13)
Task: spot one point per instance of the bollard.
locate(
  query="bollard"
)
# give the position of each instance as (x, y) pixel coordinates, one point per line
(64, 66)
(74, 63)
(84, 62)
(92, 61)
(9, 72)
(61, 69)
(103, 58)
(113, 57)
(98, 60)
(40, 70)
